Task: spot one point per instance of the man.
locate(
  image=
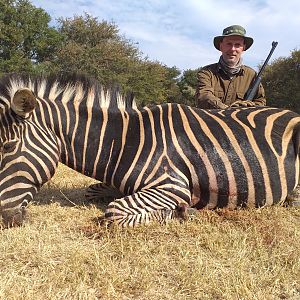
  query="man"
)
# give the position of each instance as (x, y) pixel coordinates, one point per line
(225, 84)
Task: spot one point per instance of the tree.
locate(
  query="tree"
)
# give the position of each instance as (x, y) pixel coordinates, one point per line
(97, 49)
(26, 40)
(282, 82)
(147, 82)
(187, 85)
(173, 93)
(84, 45)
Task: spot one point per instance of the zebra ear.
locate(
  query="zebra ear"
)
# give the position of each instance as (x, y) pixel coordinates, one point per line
(23, 102)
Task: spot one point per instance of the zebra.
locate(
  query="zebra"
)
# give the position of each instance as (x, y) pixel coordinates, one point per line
(41, 120)
(162, 162)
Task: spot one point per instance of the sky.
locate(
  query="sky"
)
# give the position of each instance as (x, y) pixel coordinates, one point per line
(180, 33)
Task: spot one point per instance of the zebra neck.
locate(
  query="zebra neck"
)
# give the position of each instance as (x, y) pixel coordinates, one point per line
(92, 141)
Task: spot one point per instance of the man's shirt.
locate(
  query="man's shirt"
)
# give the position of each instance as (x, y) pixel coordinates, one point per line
(215, 88)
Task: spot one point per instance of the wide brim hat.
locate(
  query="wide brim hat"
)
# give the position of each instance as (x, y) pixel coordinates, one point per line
(234, 30)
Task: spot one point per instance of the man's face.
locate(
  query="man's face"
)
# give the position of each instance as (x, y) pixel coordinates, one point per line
(232, 48)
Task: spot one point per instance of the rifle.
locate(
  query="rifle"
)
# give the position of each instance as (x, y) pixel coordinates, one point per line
(253, 89)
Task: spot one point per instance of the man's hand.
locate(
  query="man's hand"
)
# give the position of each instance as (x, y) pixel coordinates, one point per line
(242, 103)
(221, 105)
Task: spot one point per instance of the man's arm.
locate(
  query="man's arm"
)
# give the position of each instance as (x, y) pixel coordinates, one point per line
(259, 100)
(205, 97)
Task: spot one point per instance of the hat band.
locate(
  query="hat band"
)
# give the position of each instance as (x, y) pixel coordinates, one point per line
(233, 31)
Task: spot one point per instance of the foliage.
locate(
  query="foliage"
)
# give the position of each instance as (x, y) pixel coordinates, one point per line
(80, 44)
(147, 81)
(26, 39)
(187, 86)
(97, 49)
(282, 82)
(156, 83)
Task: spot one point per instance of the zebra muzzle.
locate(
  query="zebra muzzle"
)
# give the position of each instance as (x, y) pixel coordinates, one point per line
(185, 212)
(13, 217)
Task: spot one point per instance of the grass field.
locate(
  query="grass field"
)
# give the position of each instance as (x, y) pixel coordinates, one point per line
(61, 253)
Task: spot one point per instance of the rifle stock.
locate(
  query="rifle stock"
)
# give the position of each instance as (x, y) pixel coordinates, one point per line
(254, 87)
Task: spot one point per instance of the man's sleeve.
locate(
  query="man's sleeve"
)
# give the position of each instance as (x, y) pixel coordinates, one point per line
(205, 97)
(260, 97)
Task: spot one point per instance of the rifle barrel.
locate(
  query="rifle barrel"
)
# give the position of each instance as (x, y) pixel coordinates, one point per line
(274, 45)
(253, 89)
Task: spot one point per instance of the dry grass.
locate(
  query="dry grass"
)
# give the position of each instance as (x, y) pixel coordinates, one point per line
(62, 254)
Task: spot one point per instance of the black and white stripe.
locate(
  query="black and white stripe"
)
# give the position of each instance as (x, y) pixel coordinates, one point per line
(157, 161)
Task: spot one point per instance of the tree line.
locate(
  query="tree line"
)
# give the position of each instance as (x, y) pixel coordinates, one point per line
(85, 45)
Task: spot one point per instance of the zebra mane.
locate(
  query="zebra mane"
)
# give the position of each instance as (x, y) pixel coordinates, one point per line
(68, 87)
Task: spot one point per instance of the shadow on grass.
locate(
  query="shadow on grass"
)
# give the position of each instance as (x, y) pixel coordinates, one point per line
(68, 197)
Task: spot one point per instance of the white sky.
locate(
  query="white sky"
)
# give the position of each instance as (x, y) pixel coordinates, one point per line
(180, 33)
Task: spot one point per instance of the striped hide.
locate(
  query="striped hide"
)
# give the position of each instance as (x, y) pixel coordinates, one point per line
(160, 161)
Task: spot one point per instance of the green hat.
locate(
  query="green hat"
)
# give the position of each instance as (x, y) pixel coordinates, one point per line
(233, 30)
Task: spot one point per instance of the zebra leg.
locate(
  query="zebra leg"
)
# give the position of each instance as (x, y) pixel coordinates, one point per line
(144, 207)
(100, 191)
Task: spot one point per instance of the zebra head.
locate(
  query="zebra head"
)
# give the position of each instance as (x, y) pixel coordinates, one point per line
(24, 162)
(44, 120)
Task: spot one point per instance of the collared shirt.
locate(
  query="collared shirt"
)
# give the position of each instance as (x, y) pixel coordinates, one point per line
(217, 90)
